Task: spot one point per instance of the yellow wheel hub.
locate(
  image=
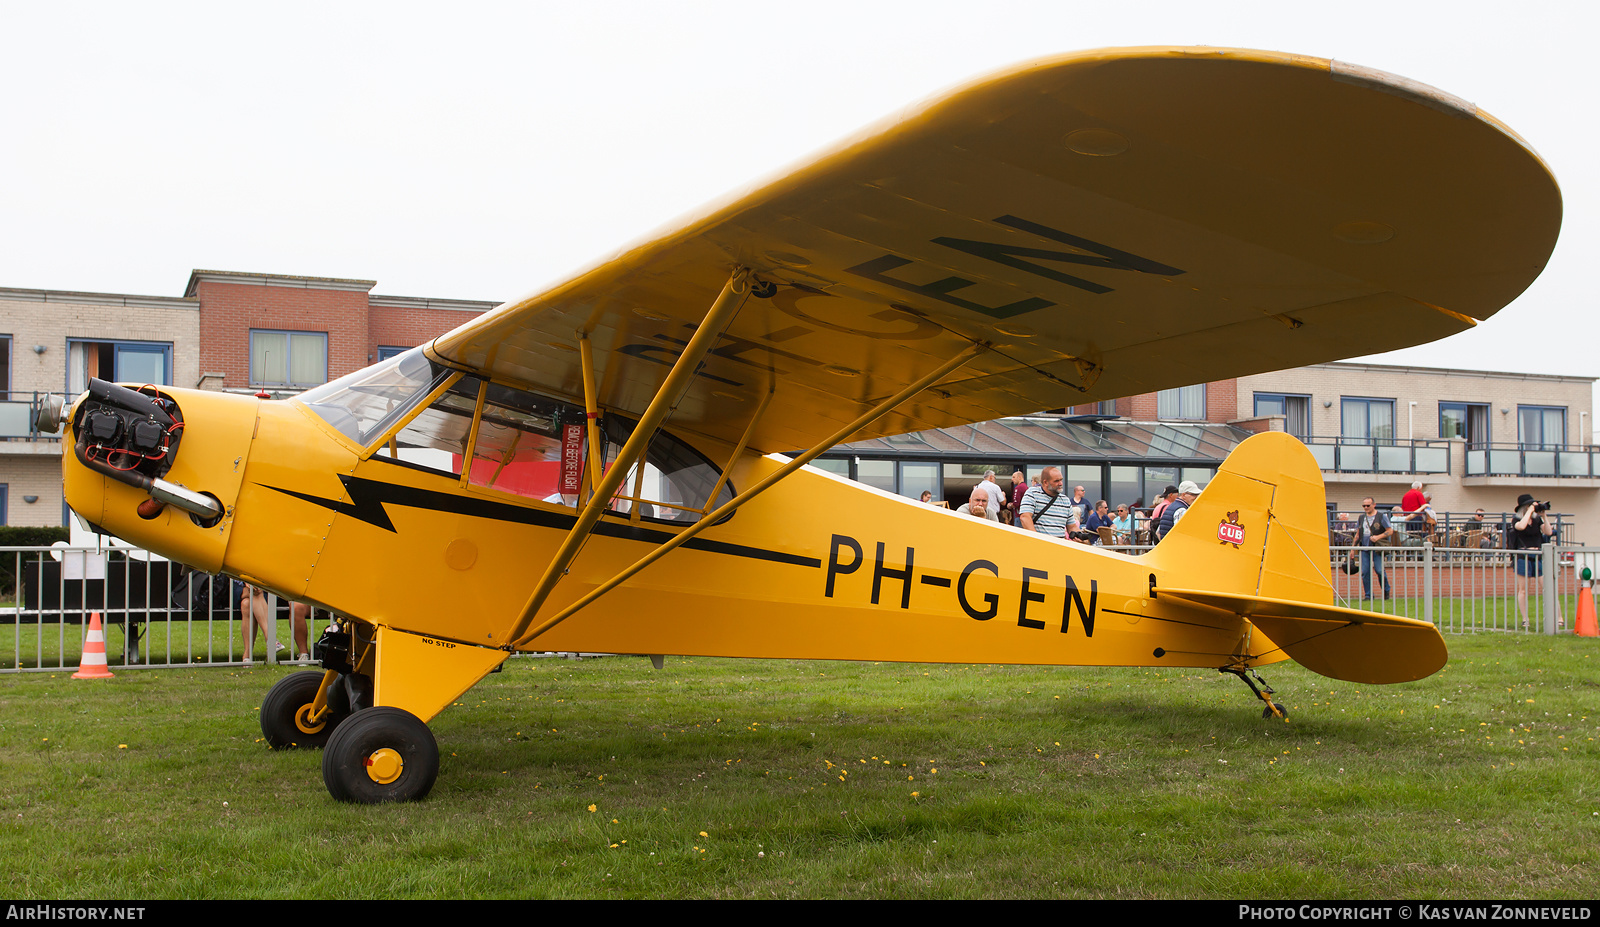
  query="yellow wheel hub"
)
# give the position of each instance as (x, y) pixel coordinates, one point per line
(384, 766)
(302, 720)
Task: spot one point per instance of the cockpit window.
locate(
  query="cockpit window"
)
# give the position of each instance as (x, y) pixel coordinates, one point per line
(525, 444)
(529, 445)
(365, 403)
(676, 481)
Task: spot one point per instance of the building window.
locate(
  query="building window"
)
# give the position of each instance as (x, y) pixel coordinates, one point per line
(1367, 421)
(1542, 426)
(1296, 411)
(5, 363)
(387, 351)
(138, 362)
(292, 359)
(1185, 402)
(1466, 420)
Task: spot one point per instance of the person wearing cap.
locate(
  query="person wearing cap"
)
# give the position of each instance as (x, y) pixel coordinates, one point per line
(1157, 510)
(1187, 492)
(1529, 531)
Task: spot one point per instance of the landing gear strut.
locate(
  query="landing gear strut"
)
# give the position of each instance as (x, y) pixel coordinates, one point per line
(1263, 692)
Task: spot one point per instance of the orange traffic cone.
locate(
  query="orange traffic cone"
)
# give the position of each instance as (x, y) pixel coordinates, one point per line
(93, 663)
(1584, 624)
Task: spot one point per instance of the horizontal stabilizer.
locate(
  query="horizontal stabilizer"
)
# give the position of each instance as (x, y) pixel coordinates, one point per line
(1342, 643)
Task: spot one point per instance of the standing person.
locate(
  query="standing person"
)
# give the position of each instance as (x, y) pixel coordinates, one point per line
(1188, 491)
(1044, 509)
(997, 496)
(1372, 528)
(252, 607)
(1019, 488)
(1529, 531)
(1080, 504)
(1160, 508)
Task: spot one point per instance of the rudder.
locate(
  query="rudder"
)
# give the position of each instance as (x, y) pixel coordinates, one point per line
(1259, 528)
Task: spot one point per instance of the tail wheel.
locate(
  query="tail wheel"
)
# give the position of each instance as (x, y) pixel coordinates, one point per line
(380, 755)
(286, 713)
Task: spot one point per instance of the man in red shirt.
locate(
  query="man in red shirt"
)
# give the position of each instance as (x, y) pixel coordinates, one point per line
(1413, 500)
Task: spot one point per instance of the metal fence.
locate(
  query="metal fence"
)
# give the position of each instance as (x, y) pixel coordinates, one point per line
(1464, 590)
(1469, 589)
(156, 613)
(153, 612)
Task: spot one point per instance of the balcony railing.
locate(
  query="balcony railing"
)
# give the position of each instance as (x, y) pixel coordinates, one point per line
(1450, 529)
(17, 413)
(1509, 459)
(1367, 455)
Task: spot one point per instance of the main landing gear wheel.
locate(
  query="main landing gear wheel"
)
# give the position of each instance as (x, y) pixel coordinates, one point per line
(380, 755)
(286, 713)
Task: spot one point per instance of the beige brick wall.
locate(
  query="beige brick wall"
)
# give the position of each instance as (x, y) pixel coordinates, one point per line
(32, 475)
(1452, 492)
(51, 318)
(1328, 383)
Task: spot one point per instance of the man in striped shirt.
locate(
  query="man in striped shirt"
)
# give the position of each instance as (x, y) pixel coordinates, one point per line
(1044, 510)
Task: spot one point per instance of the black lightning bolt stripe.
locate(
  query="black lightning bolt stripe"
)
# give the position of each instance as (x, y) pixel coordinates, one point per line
(369, 498)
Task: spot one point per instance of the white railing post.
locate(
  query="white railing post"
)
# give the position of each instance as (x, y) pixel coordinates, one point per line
(1427, 581)
(1548, 563)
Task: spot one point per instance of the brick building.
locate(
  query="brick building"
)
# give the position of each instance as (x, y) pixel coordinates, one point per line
(1476, 438)
(52, 341)
(229, 331)
(285, 333)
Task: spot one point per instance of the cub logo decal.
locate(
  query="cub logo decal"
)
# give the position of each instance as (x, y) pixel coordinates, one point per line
(1230, 531)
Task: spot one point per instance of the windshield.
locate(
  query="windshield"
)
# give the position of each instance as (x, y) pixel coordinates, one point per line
(364, 404)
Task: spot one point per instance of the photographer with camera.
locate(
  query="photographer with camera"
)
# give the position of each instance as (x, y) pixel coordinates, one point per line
(1528, 532)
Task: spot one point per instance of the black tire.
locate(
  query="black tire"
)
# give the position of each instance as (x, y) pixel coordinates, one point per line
(378, 743)
(283, 713)
(1268, 713)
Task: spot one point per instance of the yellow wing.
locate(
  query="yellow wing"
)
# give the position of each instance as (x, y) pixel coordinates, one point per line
(1110, 222)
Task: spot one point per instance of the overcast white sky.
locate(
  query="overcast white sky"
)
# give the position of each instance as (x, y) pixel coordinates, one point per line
(483, 150)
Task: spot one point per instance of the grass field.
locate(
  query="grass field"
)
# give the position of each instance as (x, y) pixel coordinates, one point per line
(779, 779)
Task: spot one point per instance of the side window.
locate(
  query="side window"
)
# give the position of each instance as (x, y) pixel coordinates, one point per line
(536, 447)
(675, 482)
(529, 445)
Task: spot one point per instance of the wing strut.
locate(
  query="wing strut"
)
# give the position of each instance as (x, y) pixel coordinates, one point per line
(706, 521)
(633, 450)
(590, 414)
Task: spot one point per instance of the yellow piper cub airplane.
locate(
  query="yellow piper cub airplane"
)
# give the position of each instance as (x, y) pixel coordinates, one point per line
(1087, 226)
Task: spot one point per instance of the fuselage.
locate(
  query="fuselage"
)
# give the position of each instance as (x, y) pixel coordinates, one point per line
(440, 526)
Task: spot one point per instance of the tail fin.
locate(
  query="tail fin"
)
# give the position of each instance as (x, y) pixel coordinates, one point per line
(1259, 528)
(1255, 543)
